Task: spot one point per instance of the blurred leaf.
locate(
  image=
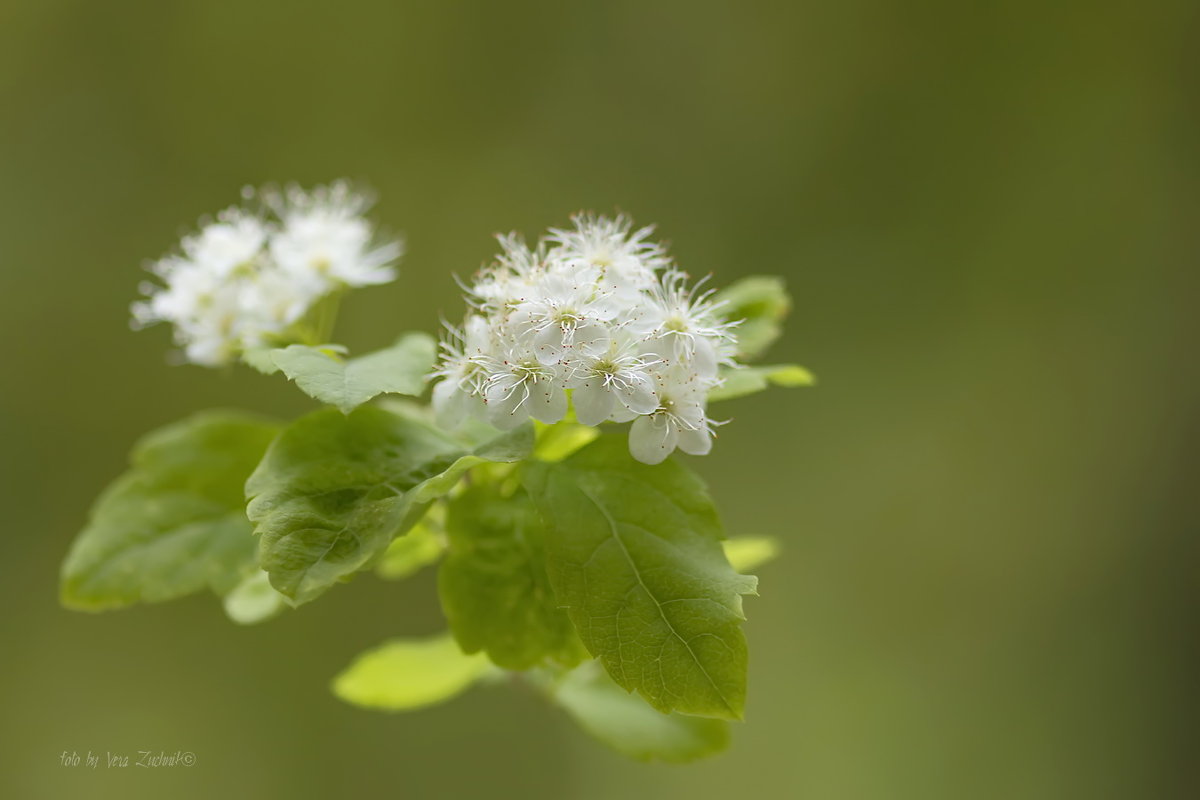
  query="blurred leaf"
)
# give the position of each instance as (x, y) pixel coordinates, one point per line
(634, 553)
(254, 600)
(347, 384)
(503, 446)
(741, 381)
(747, 552)
(493, 583)
(260, 359)
(625, 722)
(760, 302)
(556, 442)
(175, 522)
(421, 546)
(405, 674)
(334, 490)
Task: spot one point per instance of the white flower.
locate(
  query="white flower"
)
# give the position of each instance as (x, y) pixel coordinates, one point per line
(270, 303)
(597, 314)
(459, 393)
(679, 421)
(625, 260)
(518, 387)
(686, 323)
(324, 238)
(245, 280)
(565, 316)
(234, 240)
(617, 381)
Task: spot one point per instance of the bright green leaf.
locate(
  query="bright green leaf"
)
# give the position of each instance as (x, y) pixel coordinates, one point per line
(493, 583)
(634, 553)
(347, 384)
(333, 491)
(625, 723)
(421, 546)
(741, 381)
(174, 523)
(760, 302)
(405, 674)
(556, 442)
(254, 600)
(747, 552)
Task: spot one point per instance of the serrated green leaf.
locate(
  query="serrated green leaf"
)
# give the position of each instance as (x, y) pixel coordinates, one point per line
(254, 600)
(747, 552)
(406, 674)
(174, 523)
(760, 302)
(421, 546)
(625, 722)
(334, 490)
(741, 381)
(493, 584)
(634, 552)
(347, 384)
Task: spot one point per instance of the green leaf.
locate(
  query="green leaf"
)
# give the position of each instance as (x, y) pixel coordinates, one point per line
(347, 384)
(482, 439)
(420, 547)
(254, 600)
(260, 359)
(493, 584)
(741, 381)
(174, 523)
(747, 552)
(556, 442)
(333, 491)
(625, 723)
(634, 553)
(760, 302)
(405, 674)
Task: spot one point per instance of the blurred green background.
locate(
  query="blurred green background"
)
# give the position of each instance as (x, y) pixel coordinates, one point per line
(987, 214)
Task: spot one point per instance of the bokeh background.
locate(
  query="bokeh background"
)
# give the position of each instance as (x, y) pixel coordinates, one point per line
(987, 213)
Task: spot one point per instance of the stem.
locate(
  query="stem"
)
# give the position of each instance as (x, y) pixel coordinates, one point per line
(317, 325)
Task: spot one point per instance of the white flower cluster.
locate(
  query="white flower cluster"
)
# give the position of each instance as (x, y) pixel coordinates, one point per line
(246, 279)
(599, 312)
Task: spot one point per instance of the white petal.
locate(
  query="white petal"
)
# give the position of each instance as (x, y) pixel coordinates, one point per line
(621, 414)
(638, 395)
(505, 408)
(547, 402)
(705, 355)
(651, 439)
(591, 340)
(448, 405)
(697, 442)
(548, 345)
(593, 402)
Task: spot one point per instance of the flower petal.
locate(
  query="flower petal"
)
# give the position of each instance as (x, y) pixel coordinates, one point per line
(695, 442)
(638, 395)
(507, 408)
(547, 402)
(448, 404)
(548, 345)
(593, 402)
(651, 439)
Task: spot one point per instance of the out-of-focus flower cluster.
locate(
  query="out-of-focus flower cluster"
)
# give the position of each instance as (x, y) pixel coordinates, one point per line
(248, 278)
(598, 311)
